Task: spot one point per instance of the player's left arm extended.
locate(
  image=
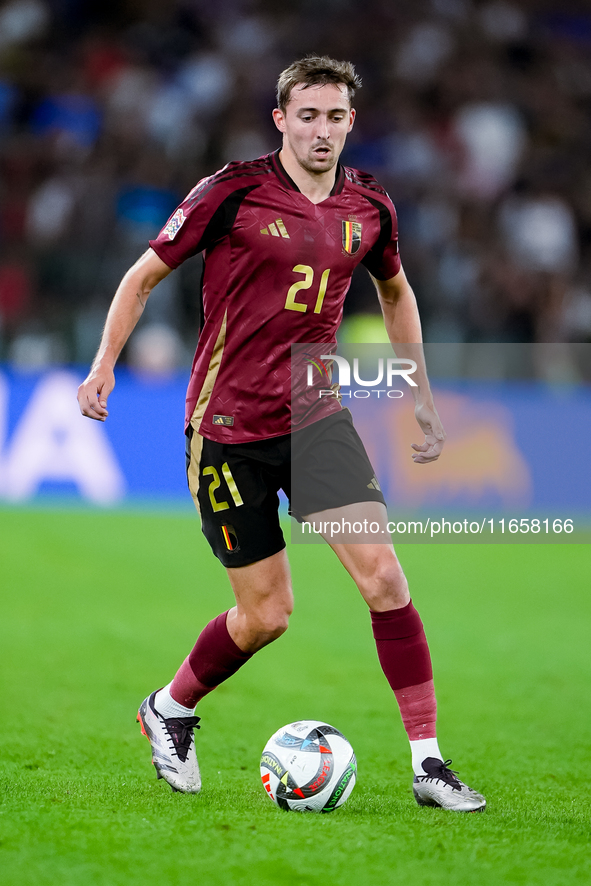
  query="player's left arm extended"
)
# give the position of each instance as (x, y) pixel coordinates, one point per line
(403, 325)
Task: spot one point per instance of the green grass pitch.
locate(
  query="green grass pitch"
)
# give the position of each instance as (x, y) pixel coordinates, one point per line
(98, 609)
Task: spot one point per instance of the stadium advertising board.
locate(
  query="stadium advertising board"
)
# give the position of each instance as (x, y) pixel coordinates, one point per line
(511, 450)
(48, 448)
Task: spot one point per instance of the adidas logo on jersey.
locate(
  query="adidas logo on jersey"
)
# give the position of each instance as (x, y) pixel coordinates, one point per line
(276, 229)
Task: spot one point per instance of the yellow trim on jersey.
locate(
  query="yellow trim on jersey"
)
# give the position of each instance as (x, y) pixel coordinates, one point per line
(211, 376)
(194, 468)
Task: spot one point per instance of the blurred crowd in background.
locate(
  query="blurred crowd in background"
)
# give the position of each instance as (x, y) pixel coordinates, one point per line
(476, 117)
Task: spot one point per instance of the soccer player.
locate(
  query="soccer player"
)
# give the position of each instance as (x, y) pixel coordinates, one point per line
(281, 236)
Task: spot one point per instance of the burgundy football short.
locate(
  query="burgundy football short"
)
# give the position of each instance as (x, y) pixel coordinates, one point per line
(235, 485)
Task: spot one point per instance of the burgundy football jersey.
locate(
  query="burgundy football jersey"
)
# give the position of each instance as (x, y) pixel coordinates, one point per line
(276, 271)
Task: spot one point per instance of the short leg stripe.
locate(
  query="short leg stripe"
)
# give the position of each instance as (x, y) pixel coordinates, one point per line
(194, 467)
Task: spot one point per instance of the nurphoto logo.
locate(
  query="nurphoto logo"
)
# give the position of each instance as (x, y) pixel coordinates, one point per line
(395, 369)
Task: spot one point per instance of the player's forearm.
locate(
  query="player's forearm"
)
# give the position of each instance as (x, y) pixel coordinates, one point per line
(403, 326)
(127, 307)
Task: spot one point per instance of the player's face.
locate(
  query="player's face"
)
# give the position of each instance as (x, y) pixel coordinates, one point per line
(315, 125)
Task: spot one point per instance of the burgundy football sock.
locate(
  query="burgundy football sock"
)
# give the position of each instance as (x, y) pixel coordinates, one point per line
(404, 656)
(418, 709)
(186, 689)
(213, 659)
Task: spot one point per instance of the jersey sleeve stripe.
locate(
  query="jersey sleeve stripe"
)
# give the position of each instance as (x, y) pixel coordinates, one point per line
(236, 171)
(373, 260)
(223, 219)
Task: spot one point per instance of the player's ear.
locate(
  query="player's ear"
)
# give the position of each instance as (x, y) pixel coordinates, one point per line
(352, 115)
(279, 119)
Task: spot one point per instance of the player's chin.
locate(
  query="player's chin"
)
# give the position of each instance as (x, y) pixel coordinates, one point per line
(322, 162)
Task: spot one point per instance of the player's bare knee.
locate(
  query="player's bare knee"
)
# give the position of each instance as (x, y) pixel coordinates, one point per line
(267, 624)
(385, 586)
(277, 632)
(276, 624)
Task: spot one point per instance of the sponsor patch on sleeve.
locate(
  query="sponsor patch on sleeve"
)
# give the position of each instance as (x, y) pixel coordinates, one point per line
(175, 224)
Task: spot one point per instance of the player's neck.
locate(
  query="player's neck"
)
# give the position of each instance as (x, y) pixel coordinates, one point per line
(315, 187)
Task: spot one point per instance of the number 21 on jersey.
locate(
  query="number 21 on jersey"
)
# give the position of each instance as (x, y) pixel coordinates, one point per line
(216, 483)
(290, 302)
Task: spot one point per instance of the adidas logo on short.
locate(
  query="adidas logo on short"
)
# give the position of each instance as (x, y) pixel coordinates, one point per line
(276, 229)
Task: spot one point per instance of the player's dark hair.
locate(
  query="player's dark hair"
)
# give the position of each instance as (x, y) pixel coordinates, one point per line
(316, 70)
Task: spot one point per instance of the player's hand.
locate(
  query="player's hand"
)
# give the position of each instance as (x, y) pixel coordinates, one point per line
(430, 424)
(93, 393)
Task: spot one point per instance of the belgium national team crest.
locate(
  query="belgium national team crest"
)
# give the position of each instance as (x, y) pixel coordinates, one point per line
(351, 237)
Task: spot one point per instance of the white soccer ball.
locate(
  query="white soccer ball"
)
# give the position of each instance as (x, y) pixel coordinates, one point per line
(308, 766)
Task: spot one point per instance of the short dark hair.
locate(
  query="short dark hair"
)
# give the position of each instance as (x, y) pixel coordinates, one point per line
(316, 70)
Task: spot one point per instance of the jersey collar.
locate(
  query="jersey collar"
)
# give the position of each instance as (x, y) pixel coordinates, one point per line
(288, 181)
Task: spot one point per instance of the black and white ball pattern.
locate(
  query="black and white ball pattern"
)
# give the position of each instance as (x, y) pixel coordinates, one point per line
(308, 766)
